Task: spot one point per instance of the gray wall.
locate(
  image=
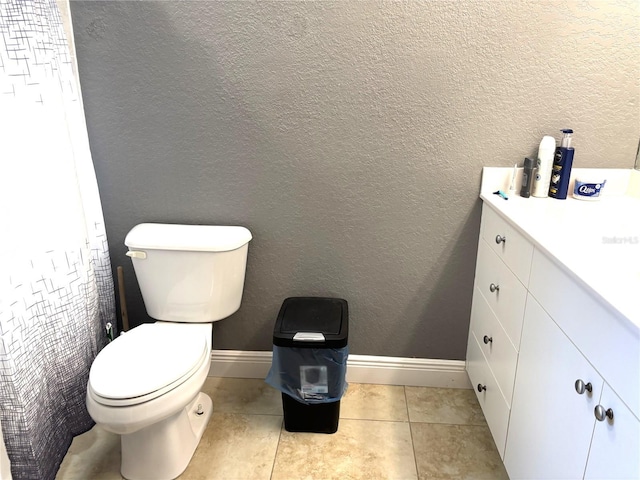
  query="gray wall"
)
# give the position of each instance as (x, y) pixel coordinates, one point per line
(348, 136)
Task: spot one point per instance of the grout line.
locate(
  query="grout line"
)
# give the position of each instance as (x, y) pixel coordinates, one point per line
(449, 424)
(277, 448)
(251, 413)
(452, 424)
(373, 420)
(413, 445)
(406, 402)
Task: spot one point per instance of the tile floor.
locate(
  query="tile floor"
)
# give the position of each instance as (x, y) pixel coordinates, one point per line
(385, 432)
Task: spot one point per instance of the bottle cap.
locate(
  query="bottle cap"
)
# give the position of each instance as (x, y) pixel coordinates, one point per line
(566, 137)
(547, 145)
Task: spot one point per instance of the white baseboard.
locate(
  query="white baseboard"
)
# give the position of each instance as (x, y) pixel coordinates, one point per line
(239, 364)
(418, 372)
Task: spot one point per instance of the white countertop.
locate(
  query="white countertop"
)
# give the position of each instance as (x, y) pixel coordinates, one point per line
(597, 242)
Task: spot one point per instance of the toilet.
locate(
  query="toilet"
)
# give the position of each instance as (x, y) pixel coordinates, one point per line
(145, 385)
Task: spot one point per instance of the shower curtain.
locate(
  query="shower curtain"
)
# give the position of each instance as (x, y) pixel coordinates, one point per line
(56, 288)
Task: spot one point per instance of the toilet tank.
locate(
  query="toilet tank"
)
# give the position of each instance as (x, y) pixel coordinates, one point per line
(189, 273)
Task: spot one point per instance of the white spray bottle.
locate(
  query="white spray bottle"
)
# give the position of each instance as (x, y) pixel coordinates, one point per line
(544, 167)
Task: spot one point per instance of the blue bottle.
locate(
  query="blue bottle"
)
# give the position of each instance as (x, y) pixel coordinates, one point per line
(562, 162)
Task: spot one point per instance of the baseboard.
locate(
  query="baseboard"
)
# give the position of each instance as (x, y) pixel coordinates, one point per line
(239, 364)
(419, 372)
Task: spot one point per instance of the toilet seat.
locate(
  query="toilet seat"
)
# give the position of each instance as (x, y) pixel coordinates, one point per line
(146, 362)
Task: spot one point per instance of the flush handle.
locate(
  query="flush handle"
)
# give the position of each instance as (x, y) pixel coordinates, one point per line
(136, 254)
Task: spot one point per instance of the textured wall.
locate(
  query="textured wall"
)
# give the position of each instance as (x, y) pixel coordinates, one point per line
(348, 136)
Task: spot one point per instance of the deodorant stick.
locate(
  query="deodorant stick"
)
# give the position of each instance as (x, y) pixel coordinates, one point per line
(544, 166)
(527, 177)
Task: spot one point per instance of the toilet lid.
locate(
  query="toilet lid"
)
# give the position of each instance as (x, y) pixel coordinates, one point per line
(146, 359)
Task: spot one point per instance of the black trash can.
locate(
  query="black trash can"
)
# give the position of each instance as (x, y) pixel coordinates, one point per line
(310, 350)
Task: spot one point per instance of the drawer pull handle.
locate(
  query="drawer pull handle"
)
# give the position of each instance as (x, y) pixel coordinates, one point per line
(581, 387)
(494, 288)
(487, 340)
(500, 239)
(601, 413)
(481, 387)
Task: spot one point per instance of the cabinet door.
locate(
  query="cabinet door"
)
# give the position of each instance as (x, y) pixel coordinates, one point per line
(551, 424)
(615, 449)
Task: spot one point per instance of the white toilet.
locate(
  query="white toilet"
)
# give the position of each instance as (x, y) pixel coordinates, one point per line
(145, 385)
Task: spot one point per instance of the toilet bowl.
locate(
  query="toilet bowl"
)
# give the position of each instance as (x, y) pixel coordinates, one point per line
(145, 385)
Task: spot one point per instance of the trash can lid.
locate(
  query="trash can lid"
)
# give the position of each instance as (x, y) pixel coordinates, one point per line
(312, 322)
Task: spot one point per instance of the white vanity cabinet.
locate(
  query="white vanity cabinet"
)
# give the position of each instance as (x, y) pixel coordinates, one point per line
(571, 359)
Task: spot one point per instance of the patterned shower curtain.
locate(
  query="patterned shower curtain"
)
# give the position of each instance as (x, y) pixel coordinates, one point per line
(56, 288)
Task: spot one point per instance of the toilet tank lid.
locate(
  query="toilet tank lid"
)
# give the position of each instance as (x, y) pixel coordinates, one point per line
(199, 238)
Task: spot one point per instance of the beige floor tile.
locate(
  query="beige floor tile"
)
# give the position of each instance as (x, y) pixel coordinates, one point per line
(456, 406)
(360, 449)
(456, 452)
(236, 447)
(450, 438)
(374, 402)
(243, 395)
(94, 454)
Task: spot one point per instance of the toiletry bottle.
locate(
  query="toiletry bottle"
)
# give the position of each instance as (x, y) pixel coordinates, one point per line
(562, 162)
(544, 165)
(512, 183)
(527, 177)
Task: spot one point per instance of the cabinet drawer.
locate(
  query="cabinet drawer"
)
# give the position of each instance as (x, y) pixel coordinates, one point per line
(509, 296)
(606, 339)
(515, 250)
(495, 345)
(494, 407)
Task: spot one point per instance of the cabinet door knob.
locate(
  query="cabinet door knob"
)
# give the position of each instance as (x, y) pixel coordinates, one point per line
(581, 387)
(601, 413)
(487, 340)
(500, 239)
(494, 288)
(481, 387)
